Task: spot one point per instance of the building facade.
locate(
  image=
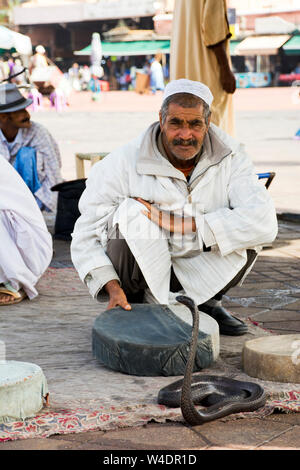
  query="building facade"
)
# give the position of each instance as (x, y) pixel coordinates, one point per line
(249, 10)
(66, 26)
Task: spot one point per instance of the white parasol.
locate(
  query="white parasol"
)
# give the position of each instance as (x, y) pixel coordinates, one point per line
(96, 55)
(11, 39)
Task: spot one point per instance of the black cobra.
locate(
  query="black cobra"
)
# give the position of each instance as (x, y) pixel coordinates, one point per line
(218, 396)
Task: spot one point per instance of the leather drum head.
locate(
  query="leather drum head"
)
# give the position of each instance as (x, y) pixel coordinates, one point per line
(149, 340)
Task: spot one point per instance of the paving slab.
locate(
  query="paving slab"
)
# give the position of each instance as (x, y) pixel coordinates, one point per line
(281, 321)
(153, 436)
(244, 312)
(239, 434)
(284, 314)
(292, 419)
(288, 440)
(36, 444)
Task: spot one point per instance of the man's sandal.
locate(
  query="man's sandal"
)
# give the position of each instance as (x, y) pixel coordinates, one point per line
(16, 297)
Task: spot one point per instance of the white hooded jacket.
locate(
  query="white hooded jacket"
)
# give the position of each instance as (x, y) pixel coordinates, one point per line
(233, 213)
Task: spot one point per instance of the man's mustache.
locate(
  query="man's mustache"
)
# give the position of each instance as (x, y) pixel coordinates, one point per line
(185, 143)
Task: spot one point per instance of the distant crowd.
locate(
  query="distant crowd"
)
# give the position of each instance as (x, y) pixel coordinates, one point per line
(120, 75)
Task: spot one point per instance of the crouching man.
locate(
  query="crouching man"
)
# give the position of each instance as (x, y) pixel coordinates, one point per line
(179, 208)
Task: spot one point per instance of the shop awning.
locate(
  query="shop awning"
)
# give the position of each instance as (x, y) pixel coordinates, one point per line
(129, 48)
(261, 45)
(292, 47)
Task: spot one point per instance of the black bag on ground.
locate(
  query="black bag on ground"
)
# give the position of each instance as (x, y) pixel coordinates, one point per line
(69, 193)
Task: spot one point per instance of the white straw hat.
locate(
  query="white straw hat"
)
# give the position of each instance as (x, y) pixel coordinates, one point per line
(184, 85)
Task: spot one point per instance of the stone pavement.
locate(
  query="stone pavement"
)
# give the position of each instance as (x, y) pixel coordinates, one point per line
(277, 273)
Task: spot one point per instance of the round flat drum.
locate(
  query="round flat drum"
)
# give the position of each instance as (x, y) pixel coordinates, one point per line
(274, 358)
(22, 388)
(149, 340)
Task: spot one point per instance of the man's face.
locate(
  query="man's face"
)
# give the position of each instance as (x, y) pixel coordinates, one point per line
(184, 130)
(19, 119)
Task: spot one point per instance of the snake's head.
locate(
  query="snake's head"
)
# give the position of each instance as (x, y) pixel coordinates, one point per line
(183, 299)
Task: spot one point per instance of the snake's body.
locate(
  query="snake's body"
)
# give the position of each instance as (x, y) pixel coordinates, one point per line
(218, 396)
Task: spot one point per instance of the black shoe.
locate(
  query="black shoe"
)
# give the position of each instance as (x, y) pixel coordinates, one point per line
(228, 324)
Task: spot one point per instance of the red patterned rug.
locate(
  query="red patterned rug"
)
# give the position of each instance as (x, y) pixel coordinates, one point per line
(49, 422)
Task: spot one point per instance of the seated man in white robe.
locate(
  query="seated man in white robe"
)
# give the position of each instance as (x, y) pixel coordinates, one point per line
(29, 147)
(26, 244)
(180, 208)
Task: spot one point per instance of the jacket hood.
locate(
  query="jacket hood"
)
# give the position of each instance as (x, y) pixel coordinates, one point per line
(151, 162)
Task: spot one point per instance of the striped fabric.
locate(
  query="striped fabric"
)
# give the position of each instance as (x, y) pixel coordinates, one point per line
(47, 155)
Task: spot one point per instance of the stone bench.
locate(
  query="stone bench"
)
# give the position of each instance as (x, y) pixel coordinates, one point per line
(80, 158)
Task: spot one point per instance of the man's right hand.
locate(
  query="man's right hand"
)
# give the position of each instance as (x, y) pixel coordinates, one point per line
(117, 296)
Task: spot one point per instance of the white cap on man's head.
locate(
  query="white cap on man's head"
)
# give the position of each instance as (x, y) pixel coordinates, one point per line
(183, 85)
(40, 49)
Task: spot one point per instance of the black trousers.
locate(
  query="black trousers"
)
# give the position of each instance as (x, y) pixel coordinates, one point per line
(132, 279)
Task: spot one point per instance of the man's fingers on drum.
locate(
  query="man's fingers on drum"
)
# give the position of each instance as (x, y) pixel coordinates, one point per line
(124, 304)
(119, 303)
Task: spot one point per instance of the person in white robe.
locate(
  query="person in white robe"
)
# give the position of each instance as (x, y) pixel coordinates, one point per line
(178, 208)
(156, 75)
(26, 244)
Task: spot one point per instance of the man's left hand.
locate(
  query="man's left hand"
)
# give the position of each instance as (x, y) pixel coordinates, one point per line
(167, 220)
